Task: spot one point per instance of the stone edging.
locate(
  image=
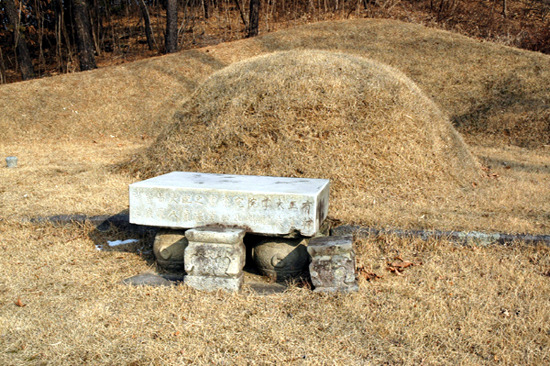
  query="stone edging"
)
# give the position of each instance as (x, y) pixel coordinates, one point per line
(459, 237)
(121, 221)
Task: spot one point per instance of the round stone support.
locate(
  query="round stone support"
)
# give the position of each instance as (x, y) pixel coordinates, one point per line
(281, 258)
(169, 249)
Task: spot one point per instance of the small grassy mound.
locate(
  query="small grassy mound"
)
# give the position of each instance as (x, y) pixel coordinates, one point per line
(361, 124)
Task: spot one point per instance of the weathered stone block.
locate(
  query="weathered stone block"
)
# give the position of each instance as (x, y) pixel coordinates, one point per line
(214, 258)
(332, 266)
(266, 205)
(11, 162)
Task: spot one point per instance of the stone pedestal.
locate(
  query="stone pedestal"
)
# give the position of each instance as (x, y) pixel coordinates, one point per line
(332, 267)
(214, 258)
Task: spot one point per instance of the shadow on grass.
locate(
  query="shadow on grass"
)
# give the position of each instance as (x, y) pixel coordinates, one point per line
(110, 233)
(515, 165)
(116, 233)
(521, 118)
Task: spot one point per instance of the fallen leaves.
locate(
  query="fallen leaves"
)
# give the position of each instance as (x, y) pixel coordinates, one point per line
(20, 303)
(400, 265)
(366, 274)
(397, 267)
(490, 175)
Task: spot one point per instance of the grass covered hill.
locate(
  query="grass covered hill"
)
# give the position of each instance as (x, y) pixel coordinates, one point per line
(365, 126)
(69, 130)
(490, 92)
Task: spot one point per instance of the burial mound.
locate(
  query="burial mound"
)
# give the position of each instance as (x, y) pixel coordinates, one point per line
(361, 124)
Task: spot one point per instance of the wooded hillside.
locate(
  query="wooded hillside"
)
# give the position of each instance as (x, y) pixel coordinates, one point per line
(46, 37)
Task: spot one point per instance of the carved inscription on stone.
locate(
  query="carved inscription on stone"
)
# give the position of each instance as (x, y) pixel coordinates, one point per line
(259, 203)
(213, 259)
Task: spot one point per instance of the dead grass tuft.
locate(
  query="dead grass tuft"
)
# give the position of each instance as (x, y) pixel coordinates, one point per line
(365, 126)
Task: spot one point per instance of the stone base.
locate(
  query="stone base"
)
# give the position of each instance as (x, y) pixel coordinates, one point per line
(332, 266)
(208, 283)
(214, 258)
(346, 289)
(215, 252)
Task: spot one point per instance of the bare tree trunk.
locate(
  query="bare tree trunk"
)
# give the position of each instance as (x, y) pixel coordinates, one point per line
(84, 35)
(205, 8)
(64, 54)
(171, 38)
(25, 62)
(254, 18)
(2, 68)
(147, 22)
(96, 25)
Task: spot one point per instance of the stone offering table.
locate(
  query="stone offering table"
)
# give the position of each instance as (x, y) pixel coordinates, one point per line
(264, 205)
(217, 210)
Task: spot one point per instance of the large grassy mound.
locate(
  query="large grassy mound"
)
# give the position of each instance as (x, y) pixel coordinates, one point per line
(361, 124)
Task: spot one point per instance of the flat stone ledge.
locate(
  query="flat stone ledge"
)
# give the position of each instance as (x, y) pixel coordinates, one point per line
(343, 289)
(148, 279)
(330, 245)
(457, 237)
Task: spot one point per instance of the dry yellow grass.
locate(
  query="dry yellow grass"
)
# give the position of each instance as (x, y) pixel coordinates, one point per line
(60, 298)
(516, 202)
(65, 178)
(77, 178)
(466, 306)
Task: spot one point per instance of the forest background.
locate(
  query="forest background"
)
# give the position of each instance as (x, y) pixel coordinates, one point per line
(47, 37)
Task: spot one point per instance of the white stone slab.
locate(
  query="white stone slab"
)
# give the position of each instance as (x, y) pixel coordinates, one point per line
(266, 205)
